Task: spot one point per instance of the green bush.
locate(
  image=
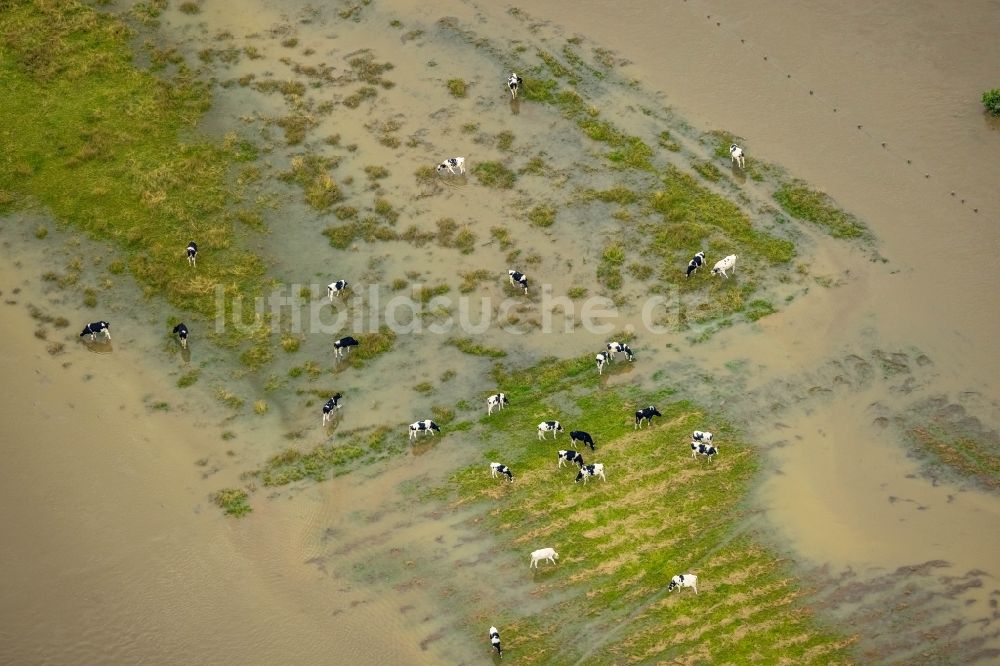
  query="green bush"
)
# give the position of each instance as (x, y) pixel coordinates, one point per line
(991, 100)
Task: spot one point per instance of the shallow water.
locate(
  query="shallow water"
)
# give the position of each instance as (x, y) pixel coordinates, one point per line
(322, 572)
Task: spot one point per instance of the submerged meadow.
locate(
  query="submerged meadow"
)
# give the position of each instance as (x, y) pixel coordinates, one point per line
(332, 164)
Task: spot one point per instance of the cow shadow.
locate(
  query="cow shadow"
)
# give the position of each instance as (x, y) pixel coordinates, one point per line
(515, 106)
(739, 175)
(98, 346)
(421, 446)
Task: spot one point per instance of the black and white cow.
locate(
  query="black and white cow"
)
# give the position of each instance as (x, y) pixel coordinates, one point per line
(518, 279)
(192, 253)
(566, 456)
(697, 261)
(496, 470)
(426, 425)
(587, 471)
(181, 331)
(331, 404)
(736, 155)
(93, 328)
(707, 450)
(344, 344)
(602, 358)
(514, 83)
(336, 288)
(701, 436)
(646, 414)
(683, 580)
(584, 437)
(453, 165)
(615, 347)
(498, 401)
(495, 641)
(549, 426)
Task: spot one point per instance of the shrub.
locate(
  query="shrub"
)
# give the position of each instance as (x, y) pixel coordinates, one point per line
(233, 501)
(991, 100)
(457, 87)
(543, 215)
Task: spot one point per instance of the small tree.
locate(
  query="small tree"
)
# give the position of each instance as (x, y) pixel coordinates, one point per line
(991, 100)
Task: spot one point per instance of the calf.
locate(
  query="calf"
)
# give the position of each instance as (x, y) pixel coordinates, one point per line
(496, 470)
(584, 437)
(495, 641)
(697, 261)
(615, 347)
(726, 264)
(706, 450)
(192, 253)
(537, 556)
(336, 288)
(683, 580)
(646, 414)
(344, 343)
(587, 471)
(453, 165)
(736, 155)
(566, 456)
(546, 426)
(701, 436)
(96, 327)
(514, 84)
(426, 425)
(181, 331)
(602, 358)
(518, 279)
(498, 401)
(331, 404)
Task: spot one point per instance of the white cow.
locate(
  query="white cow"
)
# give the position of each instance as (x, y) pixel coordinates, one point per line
(453, 165)
(723, 265)
(736, 155)
(549, 554)
(683, 580)
(602, 358)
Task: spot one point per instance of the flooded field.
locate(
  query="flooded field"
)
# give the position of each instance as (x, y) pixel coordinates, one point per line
(121, 555)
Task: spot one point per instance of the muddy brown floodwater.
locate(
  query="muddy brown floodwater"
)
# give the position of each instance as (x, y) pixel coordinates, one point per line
(116, 555)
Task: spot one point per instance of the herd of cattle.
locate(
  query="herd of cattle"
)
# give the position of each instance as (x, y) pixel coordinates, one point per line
(701, 442)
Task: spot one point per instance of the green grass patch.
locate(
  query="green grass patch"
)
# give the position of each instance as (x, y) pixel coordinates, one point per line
(692, 213)
(609, 271)
(542, 215)
(665, 140)
(470, 346)
(757, 309)
(472, 279)
(807, 204)
(292, 465)
(457, 88)
(660, 513)
(188, 378)
(114, 153)
(234, 501)
(708, 170)
(505, 140)
(372, 345)
(972, 457)
(494, 174)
